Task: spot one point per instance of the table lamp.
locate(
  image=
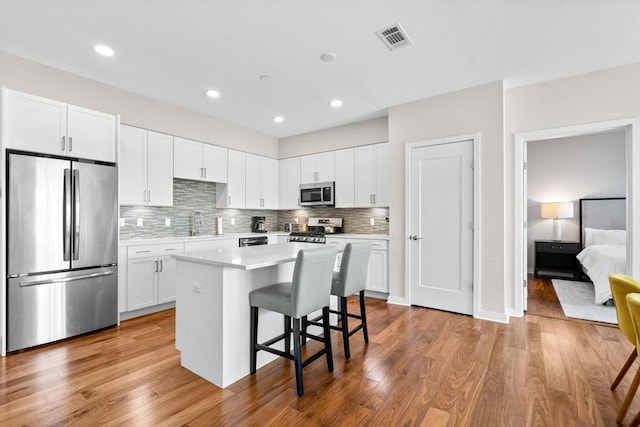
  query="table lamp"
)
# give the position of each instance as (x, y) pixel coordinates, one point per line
(557, 211)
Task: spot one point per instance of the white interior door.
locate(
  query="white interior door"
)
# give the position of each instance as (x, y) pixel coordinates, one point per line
(441, 216)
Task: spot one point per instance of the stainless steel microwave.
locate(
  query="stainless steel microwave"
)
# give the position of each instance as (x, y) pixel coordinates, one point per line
(317, 194)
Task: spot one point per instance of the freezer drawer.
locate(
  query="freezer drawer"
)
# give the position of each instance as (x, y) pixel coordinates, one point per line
(51, 307)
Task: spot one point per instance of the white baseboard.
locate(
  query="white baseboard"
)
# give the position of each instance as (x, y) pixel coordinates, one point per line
(492, 316)
(398, 301)
(147, 310)
(513, 313)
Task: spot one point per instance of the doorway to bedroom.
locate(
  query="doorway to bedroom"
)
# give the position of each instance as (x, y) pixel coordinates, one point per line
(561, 172)
(528, 213)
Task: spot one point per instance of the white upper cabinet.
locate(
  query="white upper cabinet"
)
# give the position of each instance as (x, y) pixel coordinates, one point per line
(45, 126)
(232, 194)
(371, 176)
(261, 182)
(146, 162)
(345, 177)
(317, 168)
(289, 171)
(199, 161)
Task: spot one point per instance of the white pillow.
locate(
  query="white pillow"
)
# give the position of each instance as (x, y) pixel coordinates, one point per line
(594, 236)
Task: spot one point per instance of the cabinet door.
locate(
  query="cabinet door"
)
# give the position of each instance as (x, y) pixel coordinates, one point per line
(235, 193)
(289, 183)
(364, 185)
(132, 166)
(253, 183)
(91, 134)
(377, 273)
(345, 190)
(35, 124)
(325, 165)
(214, 162)
(159, 169)
(308, 169)
(166, 279)
(381, 166)
(141, 283)
(187, 159)
(269, 183)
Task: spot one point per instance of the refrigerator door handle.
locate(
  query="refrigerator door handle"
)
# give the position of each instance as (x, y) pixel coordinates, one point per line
(65, 279)
(76, 214)
(66, 216)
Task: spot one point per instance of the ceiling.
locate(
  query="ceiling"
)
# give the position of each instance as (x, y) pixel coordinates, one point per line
(174, 50)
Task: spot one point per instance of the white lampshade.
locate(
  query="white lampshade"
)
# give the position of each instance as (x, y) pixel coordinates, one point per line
(557, 210)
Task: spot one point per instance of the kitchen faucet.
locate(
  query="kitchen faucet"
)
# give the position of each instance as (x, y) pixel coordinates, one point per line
(196, 222)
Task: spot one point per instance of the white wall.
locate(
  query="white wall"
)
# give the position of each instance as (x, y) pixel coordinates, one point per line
(566, 170)
(351, 135)
(37, 79)
(587, 98)
(475, 110)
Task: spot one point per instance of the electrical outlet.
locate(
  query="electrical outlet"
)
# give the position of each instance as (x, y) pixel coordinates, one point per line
(233, 221)
(122, 222)
(296, 220)
(167, 222)
(372, 221)
(196, 287)
(140, 222)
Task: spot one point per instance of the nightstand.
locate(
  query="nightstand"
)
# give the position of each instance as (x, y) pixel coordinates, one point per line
(556, 259)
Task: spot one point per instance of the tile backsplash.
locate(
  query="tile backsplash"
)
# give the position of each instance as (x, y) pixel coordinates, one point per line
(195, 196)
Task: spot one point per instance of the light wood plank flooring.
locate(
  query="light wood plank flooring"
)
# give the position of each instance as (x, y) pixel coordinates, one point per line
(421, 367)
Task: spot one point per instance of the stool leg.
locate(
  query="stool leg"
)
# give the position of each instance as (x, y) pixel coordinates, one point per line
(629, 397)
(287, 334)
(363, 314)
(303, 333)
(327, 338)
(297, 356)
(345, 326)
(253, 338)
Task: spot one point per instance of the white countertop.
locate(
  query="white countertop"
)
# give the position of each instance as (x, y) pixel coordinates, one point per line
(249, 257)
(184, 239)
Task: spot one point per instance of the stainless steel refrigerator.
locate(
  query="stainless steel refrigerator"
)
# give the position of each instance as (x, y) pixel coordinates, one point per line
(61, 249)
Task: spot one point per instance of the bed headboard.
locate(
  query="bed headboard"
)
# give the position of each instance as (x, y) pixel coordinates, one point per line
(603, 213)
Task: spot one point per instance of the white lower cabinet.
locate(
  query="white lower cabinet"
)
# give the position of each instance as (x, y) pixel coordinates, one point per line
(377, 275)
(151, 275)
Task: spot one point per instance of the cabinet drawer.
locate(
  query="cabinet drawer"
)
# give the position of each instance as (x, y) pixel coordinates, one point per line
(339, 242)
(170, 248)
(376, 245)
(559, 248)
(142, 251)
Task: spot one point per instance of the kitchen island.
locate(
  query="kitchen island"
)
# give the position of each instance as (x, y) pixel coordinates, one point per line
(212, 306)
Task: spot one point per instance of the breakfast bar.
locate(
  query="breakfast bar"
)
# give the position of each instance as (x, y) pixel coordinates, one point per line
(212, 306)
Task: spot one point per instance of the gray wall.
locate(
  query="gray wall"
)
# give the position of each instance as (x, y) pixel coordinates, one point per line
(603, 95)
(566, 170)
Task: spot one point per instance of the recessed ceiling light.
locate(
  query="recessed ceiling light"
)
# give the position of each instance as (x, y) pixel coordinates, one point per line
(278, 119)
(336, 103)
(211, 93)
(264, 77)
(103, 49)
(328, 56)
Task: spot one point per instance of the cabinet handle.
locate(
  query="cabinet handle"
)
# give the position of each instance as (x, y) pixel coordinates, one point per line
(161, 266)
(70, 144)
(205, 172)
(63, 143)
(145, 195)
(142, 252)
(156, 263)
(201, 173)
(149, 196)
(374, 200)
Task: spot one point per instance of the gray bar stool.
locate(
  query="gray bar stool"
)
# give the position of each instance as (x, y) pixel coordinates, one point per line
(351, 279)
(309, 291)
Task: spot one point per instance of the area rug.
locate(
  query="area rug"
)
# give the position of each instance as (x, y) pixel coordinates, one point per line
(577, 301)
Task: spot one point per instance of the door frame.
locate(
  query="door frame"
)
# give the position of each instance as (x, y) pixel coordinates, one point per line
(476, 141)
(631, 126)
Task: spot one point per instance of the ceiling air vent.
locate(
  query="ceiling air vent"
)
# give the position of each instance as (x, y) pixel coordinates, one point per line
(394, 37)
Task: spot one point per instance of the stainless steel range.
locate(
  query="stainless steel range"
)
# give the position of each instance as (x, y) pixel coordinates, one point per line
(317, 228)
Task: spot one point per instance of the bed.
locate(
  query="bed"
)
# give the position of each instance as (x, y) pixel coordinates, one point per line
(603, 239)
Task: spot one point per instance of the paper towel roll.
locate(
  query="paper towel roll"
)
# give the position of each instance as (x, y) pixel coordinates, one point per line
(219, 227)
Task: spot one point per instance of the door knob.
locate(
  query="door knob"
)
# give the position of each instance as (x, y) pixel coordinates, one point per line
(415, 237)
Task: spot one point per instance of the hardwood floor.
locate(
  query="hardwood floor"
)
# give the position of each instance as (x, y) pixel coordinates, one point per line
(543, 300)
(421, 367)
